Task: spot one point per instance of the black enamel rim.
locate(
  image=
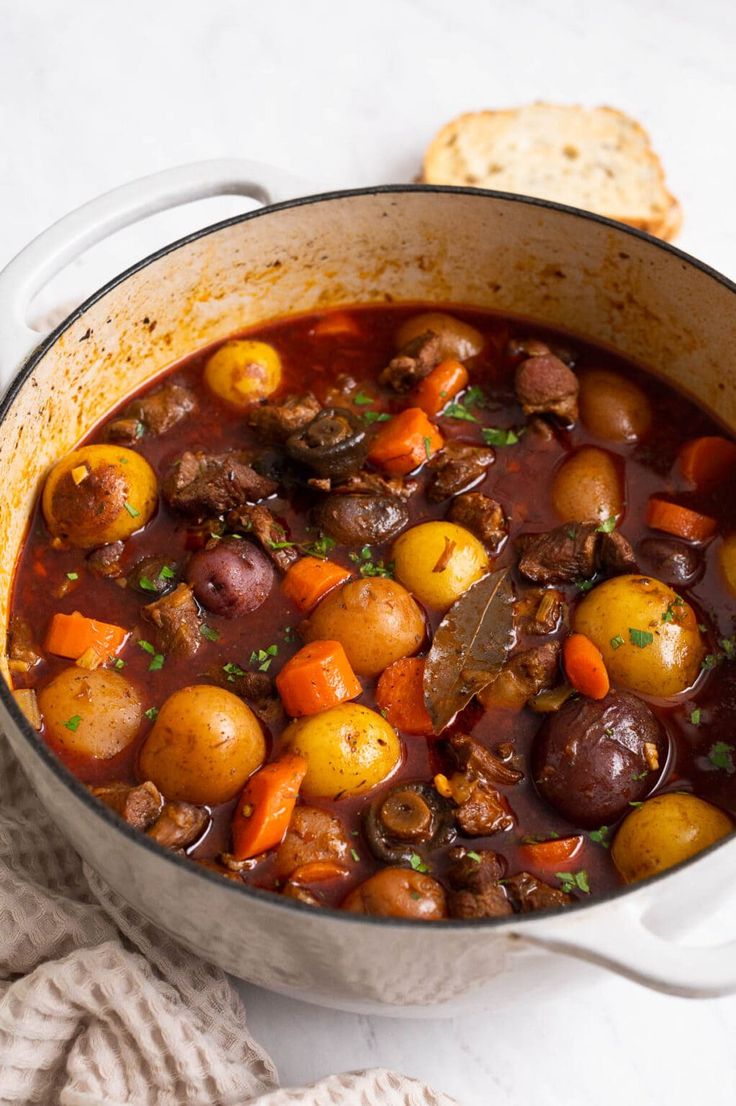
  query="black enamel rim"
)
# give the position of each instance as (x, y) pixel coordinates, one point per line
(183, 863)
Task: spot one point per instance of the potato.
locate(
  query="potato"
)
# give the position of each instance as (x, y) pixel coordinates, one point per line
(399, 893)
(99, 494)
(241, 372)
(438, 561)
(727, 561)
(203, 746)
(90, 713)
(663, 832)
(587, 486)
(613, 407)
(457, 339)
(647, 634)
(375, 620)
(349, 749)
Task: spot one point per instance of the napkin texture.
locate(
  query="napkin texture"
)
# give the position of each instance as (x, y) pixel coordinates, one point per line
(100, 1008)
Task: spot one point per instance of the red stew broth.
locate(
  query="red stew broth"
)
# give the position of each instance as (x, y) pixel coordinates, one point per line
(520, 479)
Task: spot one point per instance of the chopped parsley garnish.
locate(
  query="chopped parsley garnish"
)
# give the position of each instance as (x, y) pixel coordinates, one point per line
(584, 585)
(458, 410)
(146, 647)
(72, 575)
(355, 855)
(640, 638)
(157, 659)
(118, 663)
(721, 756)
(368, 567)
(696, 716)
(493, 435)
(261, 658)
(600, 836)
(146, 583)
(166, 573)
(281, 544)
(417, 863)
(139, 430)
(607, 526)
(73, 722)
(320, 547)
(375, 416)
(289, 633)
(152, 713)
(208, 633)
(710, 661)
(473, 856)
(728, 645)
(668, 615)
(617, 642)
(132, 511)
(637, 776)
(428, 448)
(574, 881)
(362, 399)
(232, 669)
(632, 803)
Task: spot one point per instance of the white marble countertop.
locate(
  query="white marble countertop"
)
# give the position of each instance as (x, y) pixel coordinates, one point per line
(92, 94)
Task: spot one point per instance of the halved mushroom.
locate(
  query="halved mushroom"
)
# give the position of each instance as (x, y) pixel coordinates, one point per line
(333, 444)
(410, 814)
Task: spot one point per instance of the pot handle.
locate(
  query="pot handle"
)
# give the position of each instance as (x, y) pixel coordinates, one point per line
(615, 935)
(74, 233)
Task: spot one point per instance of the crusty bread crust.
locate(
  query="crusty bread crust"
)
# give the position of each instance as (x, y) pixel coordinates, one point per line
(598, 159)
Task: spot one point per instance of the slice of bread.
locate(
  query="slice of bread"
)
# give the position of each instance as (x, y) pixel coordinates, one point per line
(595, 158)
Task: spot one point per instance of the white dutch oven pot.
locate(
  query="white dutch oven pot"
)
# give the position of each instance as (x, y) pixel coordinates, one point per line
(554, 265)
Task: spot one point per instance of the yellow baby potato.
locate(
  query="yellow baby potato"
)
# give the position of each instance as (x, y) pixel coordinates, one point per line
(99, 494)
(438, 561)
(457, 339)
(613, 407)
(242, 372)
(90, 713)
(663, 832)
(203, 746)
(587, 486)
(647, 634)
(349, 750)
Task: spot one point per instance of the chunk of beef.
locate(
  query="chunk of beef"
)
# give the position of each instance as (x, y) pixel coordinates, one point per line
(475, 891)
(528, 893)
(412, 363)
(178, 825)
(105, 561)
(482, 515)
(456, 468)
(358, 520)
(540, 610)
(23, 652)
(124, 431)
(176, 618)
(261, 523)
(275, 422)
(523, 677)
(575, 551)
(484, 812)
(256, 687)
(370, 483)
(201, 485)
(157, 412)
(480, 763)
(140, 806)
(545, 385)
(313, 834)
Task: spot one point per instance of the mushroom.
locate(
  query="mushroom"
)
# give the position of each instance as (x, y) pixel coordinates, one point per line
(334, 443)
(410, 814)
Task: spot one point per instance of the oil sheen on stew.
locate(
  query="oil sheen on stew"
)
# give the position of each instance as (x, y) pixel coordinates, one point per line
(401, 611)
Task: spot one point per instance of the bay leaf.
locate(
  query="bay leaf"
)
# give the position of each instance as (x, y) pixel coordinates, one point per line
(470, 647)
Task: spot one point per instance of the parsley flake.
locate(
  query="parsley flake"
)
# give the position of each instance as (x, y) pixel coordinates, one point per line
(355, 855)
(146, 583)
(132, 511)
(368, 567)
(417, 863)
(208, 633)
(473, 856)
(166, 573)
(375, 416)
(261, 658)
(362, 399)
(232, 669)
(607, 526)
(494, 435)
(118, 663)
(457, 410)
(73, 722)
(617, 642)
(584, 585)
(146, 647)
(574, 881)
(152, 713)
(721, 756)
(428, 448)
(320, 547)
(640, 638)
(72, 575)
(600, 836)
(157, 662)
(696, 716)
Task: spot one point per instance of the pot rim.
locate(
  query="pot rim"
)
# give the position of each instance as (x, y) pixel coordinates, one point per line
(100, 810)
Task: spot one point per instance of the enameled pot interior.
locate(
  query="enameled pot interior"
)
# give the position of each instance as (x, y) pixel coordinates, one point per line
(516, 256)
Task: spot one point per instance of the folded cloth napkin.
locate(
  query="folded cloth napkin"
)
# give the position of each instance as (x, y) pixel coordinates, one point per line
(100, 1008)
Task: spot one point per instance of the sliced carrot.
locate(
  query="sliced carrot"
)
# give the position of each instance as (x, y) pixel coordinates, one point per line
(551, 855)
(317, 677)
(71, 635)
(400, 695)
(680, 521)
(316, 871)
(405, 442)
(310, 578)
(264, 810)
(707, 462)
(335, 324)
(585, 666)
(443, 383)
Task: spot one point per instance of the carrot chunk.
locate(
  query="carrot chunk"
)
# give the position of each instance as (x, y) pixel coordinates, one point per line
(400, 695)
(336, 324)
(551, 855)
(405, 442)
(315, 871)
(264, 809)
(443, 383)
(317, 677)
(707, 462)
(71, 635)
(585, 667)
(310, 578)
(680, 521)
